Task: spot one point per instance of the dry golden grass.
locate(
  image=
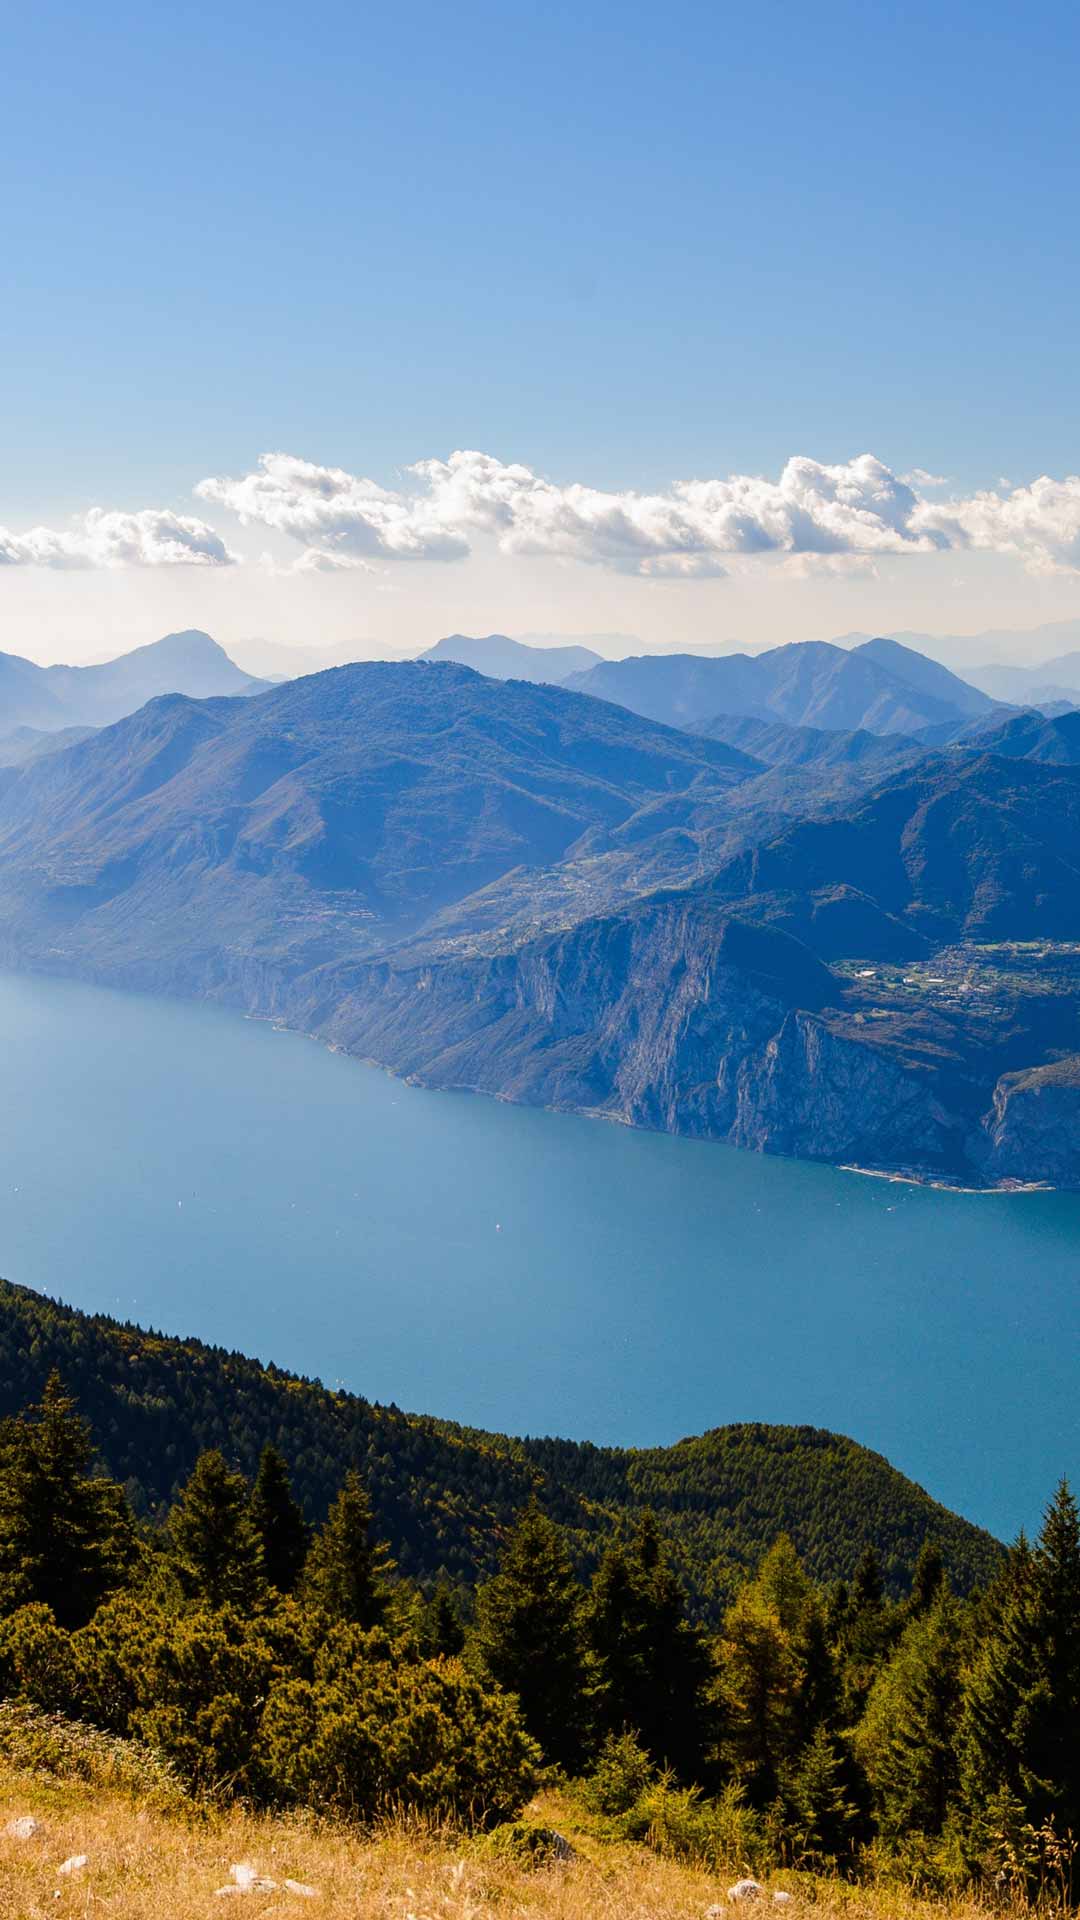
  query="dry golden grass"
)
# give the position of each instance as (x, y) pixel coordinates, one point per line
(145, 1863)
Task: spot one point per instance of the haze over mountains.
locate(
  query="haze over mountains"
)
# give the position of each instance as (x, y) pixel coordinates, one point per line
(801, 938)
(506, 659)
(53, 697)
(879, 685)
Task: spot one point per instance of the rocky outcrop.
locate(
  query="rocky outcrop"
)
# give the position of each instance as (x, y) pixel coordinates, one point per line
(1032, 1132)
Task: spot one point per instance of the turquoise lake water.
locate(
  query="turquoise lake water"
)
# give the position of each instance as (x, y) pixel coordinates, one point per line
(527, 1271)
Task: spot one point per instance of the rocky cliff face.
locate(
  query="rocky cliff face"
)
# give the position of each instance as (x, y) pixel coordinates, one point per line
(669, 1016)
(1032, 1131)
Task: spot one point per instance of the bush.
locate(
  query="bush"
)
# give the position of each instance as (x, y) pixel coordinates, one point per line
(370, 1733)
(35, 1742)
(720, 1833)
(37, 1659)
(621, 1775)
(527, 1846)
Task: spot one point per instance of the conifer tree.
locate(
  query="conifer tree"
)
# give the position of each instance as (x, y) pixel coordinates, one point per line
(279, 1523)
(215, 1548)
(1052, 1732)
(783, 1583)
(1022, 1692)
(818, 1687)
(347, 1572)
(868, 1634)
(999, 1671)
(927, 1579)
(824, 1815)
(66, 1537)
(530, 1636)
(907, 1739)
(759, 1686)
(441, 1629)
(867, 1586)
(651, 1667)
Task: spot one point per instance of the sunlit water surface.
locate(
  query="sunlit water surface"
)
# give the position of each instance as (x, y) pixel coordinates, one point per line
(521, 1270)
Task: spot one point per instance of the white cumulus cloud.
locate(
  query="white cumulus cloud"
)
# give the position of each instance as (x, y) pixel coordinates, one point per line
(690, 530)
(1039, 522)
(150, 538)
(335, 513)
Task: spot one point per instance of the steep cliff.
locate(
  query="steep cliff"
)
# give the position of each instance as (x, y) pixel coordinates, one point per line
(1032, 1132)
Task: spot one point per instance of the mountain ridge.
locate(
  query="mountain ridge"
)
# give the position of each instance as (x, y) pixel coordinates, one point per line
(812, 683)
(48, 698)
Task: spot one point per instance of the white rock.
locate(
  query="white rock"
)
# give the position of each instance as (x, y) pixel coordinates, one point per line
(24, 1828)
(298, 1889)
(248, 1879)
(782, 1899)
(74, 1863)
(746, 1890)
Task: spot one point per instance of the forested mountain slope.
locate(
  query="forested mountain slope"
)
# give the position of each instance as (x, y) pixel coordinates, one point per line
(444, 1495)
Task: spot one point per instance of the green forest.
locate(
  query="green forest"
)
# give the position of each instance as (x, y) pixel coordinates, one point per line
(827, 1726)
(444, 1496)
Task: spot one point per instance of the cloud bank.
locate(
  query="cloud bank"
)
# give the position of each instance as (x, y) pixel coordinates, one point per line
(150, 538)
(852, 512)
(814, 518)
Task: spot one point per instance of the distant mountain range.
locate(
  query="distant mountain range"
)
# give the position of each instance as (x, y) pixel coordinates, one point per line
(971, 653)
(48, 698)
(839, 944)
(879, 686)
(505, 659)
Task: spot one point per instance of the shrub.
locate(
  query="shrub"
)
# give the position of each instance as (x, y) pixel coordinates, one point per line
(621, 1775)
(37, 1659)
(680, 1823)
(43, 1743)
(370, 1733)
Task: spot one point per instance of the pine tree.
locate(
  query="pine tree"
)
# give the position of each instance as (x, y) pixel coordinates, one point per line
(441, 1630)
(907, 1738)
(824, 1816)
(530, 1636)
(651, 1665)
(869, 1634)
(215, 1548)
(1052, 1722)
(759, 1686)
(66, 1537)
(279, 1523)
(783, 1583)
(347, 1572)
(1022, 1691)
(818, 1687)
(997, 1675)
(867, 1587)
(927, 1580)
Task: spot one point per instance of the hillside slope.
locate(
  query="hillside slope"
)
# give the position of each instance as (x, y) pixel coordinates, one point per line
(324, 815)
(811, 684)
(443, 1494)
(52, 697)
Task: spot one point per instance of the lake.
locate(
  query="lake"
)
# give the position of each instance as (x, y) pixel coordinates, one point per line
(531, 1272)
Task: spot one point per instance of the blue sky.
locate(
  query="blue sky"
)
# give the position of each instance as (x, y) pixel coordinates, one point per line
(628, 250)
